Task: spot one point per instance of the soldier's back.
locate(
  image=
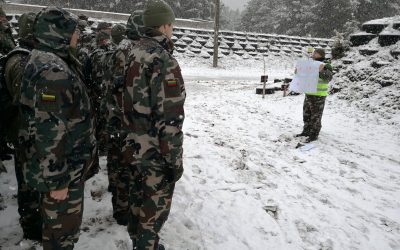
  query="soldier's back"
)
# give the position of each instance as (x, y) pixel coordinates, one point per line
(153, 99)
(54, 100)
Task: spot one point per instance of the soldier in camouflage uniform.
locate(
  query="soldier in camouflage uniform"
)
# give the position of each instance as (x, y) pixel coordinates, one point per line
(28, 198)
(118, 33)
(102, 27)
(314, 103)
(153, 106)
(119, 156)
(97, 67)
(58, 135)
(85, 38)
(6, 40)
(6, 45)
(84, 50)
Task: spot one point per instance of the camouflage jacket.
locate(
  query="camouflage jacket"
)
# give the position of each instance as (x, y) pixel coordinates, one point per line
(7, 42)
(114, 85)
(153, 103)
(97, 60)
(58, 136)
(14, 70)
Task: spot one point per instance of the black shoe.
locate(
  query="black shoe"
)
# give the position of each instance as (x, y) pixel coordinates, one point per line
(134, 245)
(161, 247)
(303, 134)
(5, 157)
(7, 150)
(311, 139)
(33, 236)
(121, 220)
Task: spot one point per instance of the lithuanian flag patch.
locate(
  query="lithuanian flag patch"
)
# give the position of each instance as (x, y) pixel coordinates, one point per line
(48, 98)
(172, 83)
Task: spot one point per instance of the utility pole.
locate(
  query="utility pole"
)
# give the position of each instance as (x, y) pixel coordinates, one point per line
(216, 32)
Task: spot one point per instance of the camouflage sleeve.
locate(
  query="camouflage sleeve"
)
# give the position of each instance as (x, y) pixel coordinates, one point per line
(97, 73)
(55, 113)
(14, 71)
(167, 101)
(6, 41)
(114, 84)
(327, 73)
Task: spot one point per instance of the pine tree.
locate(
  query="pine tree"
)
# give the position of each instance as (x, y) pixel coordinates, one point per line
(330, 16)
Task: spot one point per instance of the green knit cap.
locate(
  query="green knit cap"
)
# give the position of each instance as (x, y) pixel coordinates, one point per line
(158, 13)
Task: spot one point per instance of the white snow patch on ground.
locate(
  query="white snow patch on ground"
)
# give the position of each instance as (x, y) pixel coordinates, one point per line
(240, 157)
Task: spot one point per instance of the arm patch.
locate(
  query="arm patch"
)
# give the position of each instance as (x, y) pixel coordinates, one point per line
(172, 88)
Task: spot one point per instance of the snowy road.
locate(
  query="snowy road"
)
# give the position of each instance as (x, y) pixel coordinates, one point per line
(240, 157)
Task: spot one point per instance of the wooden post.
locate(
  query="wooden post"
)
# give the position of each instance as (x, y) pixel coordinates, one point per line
(265, 80)
(216, 32)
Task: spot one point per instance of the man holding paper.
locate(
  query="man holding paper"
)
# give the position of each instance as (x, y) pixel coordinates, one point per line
(312, 78)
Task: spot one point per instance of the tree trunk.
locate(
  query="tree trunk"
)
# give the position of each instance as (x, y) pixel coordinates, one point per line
(216, 32)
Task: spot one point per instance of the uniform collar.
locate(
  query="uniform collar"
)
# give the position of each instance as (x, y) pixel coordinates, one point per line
(161, 38)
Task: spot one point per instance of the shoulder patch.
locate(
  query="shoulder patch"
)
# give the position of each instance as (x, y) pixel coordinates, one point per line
(172, 88)
(48, 98)
(172, 83)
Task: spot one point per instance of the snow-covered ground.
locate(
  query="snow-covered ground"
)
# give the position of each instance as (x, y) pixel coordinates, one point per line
(241, 160)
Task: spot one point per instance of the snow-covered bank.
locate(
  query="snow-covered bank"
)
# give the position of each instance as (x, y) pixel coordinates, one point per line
(368, 77)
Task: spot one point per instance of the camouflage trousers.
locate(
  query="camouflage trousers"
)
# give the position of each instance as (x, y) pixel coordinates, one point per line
(150, 201)
(118, 162)
(313, 110)
(62, 219)
(28, 204)
(101, 137)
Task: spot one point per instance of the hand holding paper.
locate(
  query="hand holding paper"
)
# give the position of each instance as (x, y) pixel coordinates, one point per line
(306, 78)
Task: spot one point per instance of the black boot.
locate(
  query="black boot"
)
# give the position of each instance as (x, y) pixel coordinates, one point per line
(161, 247)
(134, 245)
(121, 220)
(33, 235)
(311, 138)
(303, 134)
(6, 152)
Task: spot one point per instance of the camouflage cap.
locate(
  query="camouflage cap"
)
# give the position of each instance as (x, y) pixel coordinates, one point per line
(118, 32)
(25, 24)
(135, 26)
(103, 25)
(54, 28)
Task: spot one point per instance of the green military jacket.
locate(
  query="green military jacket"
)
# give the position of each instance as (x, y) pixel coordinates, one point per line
(58, 132)
(153, 103)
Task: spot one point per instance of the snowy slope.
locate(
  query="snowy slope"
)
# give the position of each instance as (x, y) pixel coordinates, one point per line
(240, 158)
(371, 82)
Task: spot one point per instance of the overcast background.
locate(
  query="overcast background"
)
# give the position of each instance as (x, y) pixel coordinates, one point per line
(235, 4)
